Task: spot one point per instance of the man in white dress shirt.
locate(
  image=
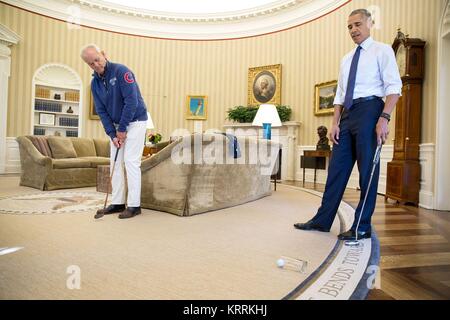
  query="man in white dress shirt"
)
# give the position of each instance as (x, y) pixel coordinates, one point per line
(368, 73)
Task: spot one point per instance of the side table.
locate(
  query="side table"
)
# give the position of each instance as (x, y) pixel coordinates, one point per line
(314, 159)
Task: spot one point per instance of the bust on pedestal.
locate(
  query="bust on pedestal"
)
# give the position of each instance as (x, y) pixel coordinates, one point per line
(323, 143)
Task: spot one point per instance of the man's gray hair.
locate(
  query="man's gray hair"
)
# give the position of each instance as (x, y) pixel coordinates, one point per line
(363, 12)
(90, 46)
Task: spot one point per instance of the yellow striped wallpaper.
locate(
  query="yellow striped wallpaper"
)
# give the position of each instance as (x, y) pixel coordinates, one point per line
(169, 70)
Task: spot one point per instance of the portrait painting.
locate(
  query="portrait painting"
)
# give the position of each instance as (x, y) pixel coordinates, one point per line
(264, 85)
(324, 97)
(196, 107)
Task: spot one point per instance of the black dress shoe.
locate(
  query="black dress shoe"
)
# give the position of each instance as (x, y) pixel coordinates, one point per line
(112, 208)
(130, 212)
(351, 235)
(310, 225)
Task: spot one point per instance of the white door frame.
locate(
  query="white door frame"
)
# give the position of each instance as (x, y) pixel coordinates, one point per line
(7, 39)
(442, 173)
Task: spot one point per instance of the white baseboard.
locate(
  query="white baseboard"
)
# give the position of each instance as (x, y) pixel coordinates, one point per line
(427, 162)
(12, 156)
(427, 154)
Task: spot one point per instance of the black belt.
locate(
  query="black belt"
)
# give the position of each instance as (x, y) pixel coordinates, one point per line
(364, 99)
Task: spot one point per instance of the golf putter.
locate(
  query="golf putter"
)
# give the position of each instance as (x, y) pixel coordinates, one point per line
(101, 213)
(376, 159)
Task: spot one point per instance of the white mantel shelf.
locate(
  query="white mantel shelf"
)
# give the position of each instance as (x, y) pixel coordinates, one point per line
(286, 135)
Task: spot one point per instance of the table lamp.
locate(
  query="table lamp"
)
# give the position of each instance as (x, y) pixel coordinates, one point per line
(267, 117)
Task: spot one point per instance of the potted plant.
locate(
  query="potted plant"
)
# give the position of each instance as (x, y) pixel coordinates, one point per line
(246, 114)
(154, 138)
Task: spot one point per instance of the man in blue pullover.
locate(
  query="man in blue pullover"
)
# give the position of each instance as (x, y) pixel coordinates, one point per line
(123, 113)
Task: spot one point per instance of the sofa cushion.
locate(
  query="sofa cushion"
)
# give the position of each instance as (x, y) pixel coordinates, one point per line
(102, 147)
(61, 147)
(84, 147)
(41, 143)
(71, 163)
(96, 161)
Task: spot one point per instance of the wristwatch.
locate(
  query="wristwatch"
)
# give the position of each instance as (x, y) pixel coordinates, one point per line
(385, 115)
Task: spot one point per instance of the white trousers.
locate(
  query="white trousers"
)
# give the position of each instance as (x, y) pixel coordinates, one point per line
(130, 155)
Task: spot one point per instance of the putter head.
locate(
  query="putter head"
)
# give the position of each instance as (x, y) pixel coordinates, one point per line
(352, 243)
(99, 214)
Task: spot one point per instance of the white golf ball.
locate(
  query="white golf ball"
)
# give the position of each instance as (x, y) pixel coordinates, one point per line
(280, 263)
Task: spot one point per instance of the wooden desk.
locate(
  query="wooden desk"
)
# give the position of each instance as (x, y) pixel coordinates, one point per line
(314, 159)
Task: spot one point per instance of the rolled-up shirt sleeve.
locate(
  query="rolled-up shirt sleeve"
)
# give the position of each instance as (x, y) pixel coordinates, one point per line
(389, 72)
(340, 93)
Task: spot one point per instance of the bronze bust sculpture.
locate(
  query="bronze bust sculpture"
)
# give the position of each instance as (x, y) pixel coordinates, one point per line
(322, 144)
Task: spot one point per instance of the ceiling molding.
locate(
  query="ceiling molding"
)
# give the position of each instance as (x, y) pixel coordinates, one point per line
(267, 9)
(273, 17)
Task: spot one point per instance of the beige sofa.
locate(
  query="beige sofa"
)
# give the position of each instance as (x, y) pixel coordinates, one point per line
(50, 162)
(192, 175)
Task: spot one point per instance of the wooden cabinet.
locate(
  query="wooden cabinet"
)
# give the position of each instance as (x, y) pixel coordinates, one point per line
(403, 172)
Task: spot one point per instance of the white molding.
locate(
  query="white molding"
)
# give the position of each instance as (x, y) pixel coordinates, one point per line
(7, 39)
(427, 181)
(277, 16)
(57, 75)
(427, 155)
(12, 156)
(442, 171)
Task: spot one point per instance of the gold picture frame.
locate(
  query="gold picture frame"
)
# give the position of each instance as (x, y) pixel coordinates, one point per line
(264, 85)
(92, 113)
(324, 94)
(196, 107)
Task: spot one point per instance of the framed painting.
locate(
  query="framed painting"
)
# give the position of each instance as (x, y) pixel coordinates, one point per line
(92, 113)
(196, 107)
(264, 85)
(324, 97)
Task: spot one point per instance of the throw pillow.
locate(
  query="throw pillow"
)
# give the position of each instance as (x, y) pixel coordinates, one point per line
(61, 147)
(103, 147)
(84, 147)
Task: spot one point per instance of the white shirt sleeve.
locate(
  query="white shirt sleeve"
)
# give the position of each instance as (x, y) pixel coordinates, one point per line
(390, 73)
(340, 94)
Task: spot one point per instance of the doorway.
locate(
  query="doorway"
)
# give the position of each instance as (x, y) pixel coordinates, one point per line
(442, 173)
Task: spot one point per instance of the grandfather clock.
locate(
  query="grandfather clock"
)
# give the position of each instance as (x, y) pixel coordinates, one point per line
(403, 172)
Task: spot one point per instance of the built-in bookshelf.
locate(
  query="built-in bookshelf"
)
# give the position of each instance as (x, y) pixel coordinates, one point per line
(56, 101)
(56, 111)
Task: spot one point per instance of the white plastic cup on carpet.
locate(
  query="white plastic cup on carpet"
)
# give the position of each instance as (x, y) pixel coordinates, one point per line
(292, 264)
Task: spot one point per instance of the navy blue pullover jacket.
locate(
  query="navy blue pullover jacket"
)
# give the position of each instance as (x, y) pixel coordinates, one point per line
(117, 98)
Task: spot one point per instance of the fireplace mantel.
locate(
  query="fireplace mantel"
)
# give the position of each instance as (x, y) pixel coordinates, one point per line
(286, 135)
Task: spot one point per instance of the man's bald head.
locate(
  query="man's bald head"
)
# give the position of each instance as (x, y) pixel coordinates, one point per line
(94, 57)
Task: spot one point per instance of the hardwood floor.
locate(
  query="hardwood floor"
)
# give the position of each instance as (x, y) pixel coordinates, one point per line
(414, 249)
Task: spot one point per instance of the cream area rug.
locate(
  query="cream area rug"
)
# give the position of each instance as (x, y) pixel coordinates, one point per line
(52, 202)
(225, 254)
